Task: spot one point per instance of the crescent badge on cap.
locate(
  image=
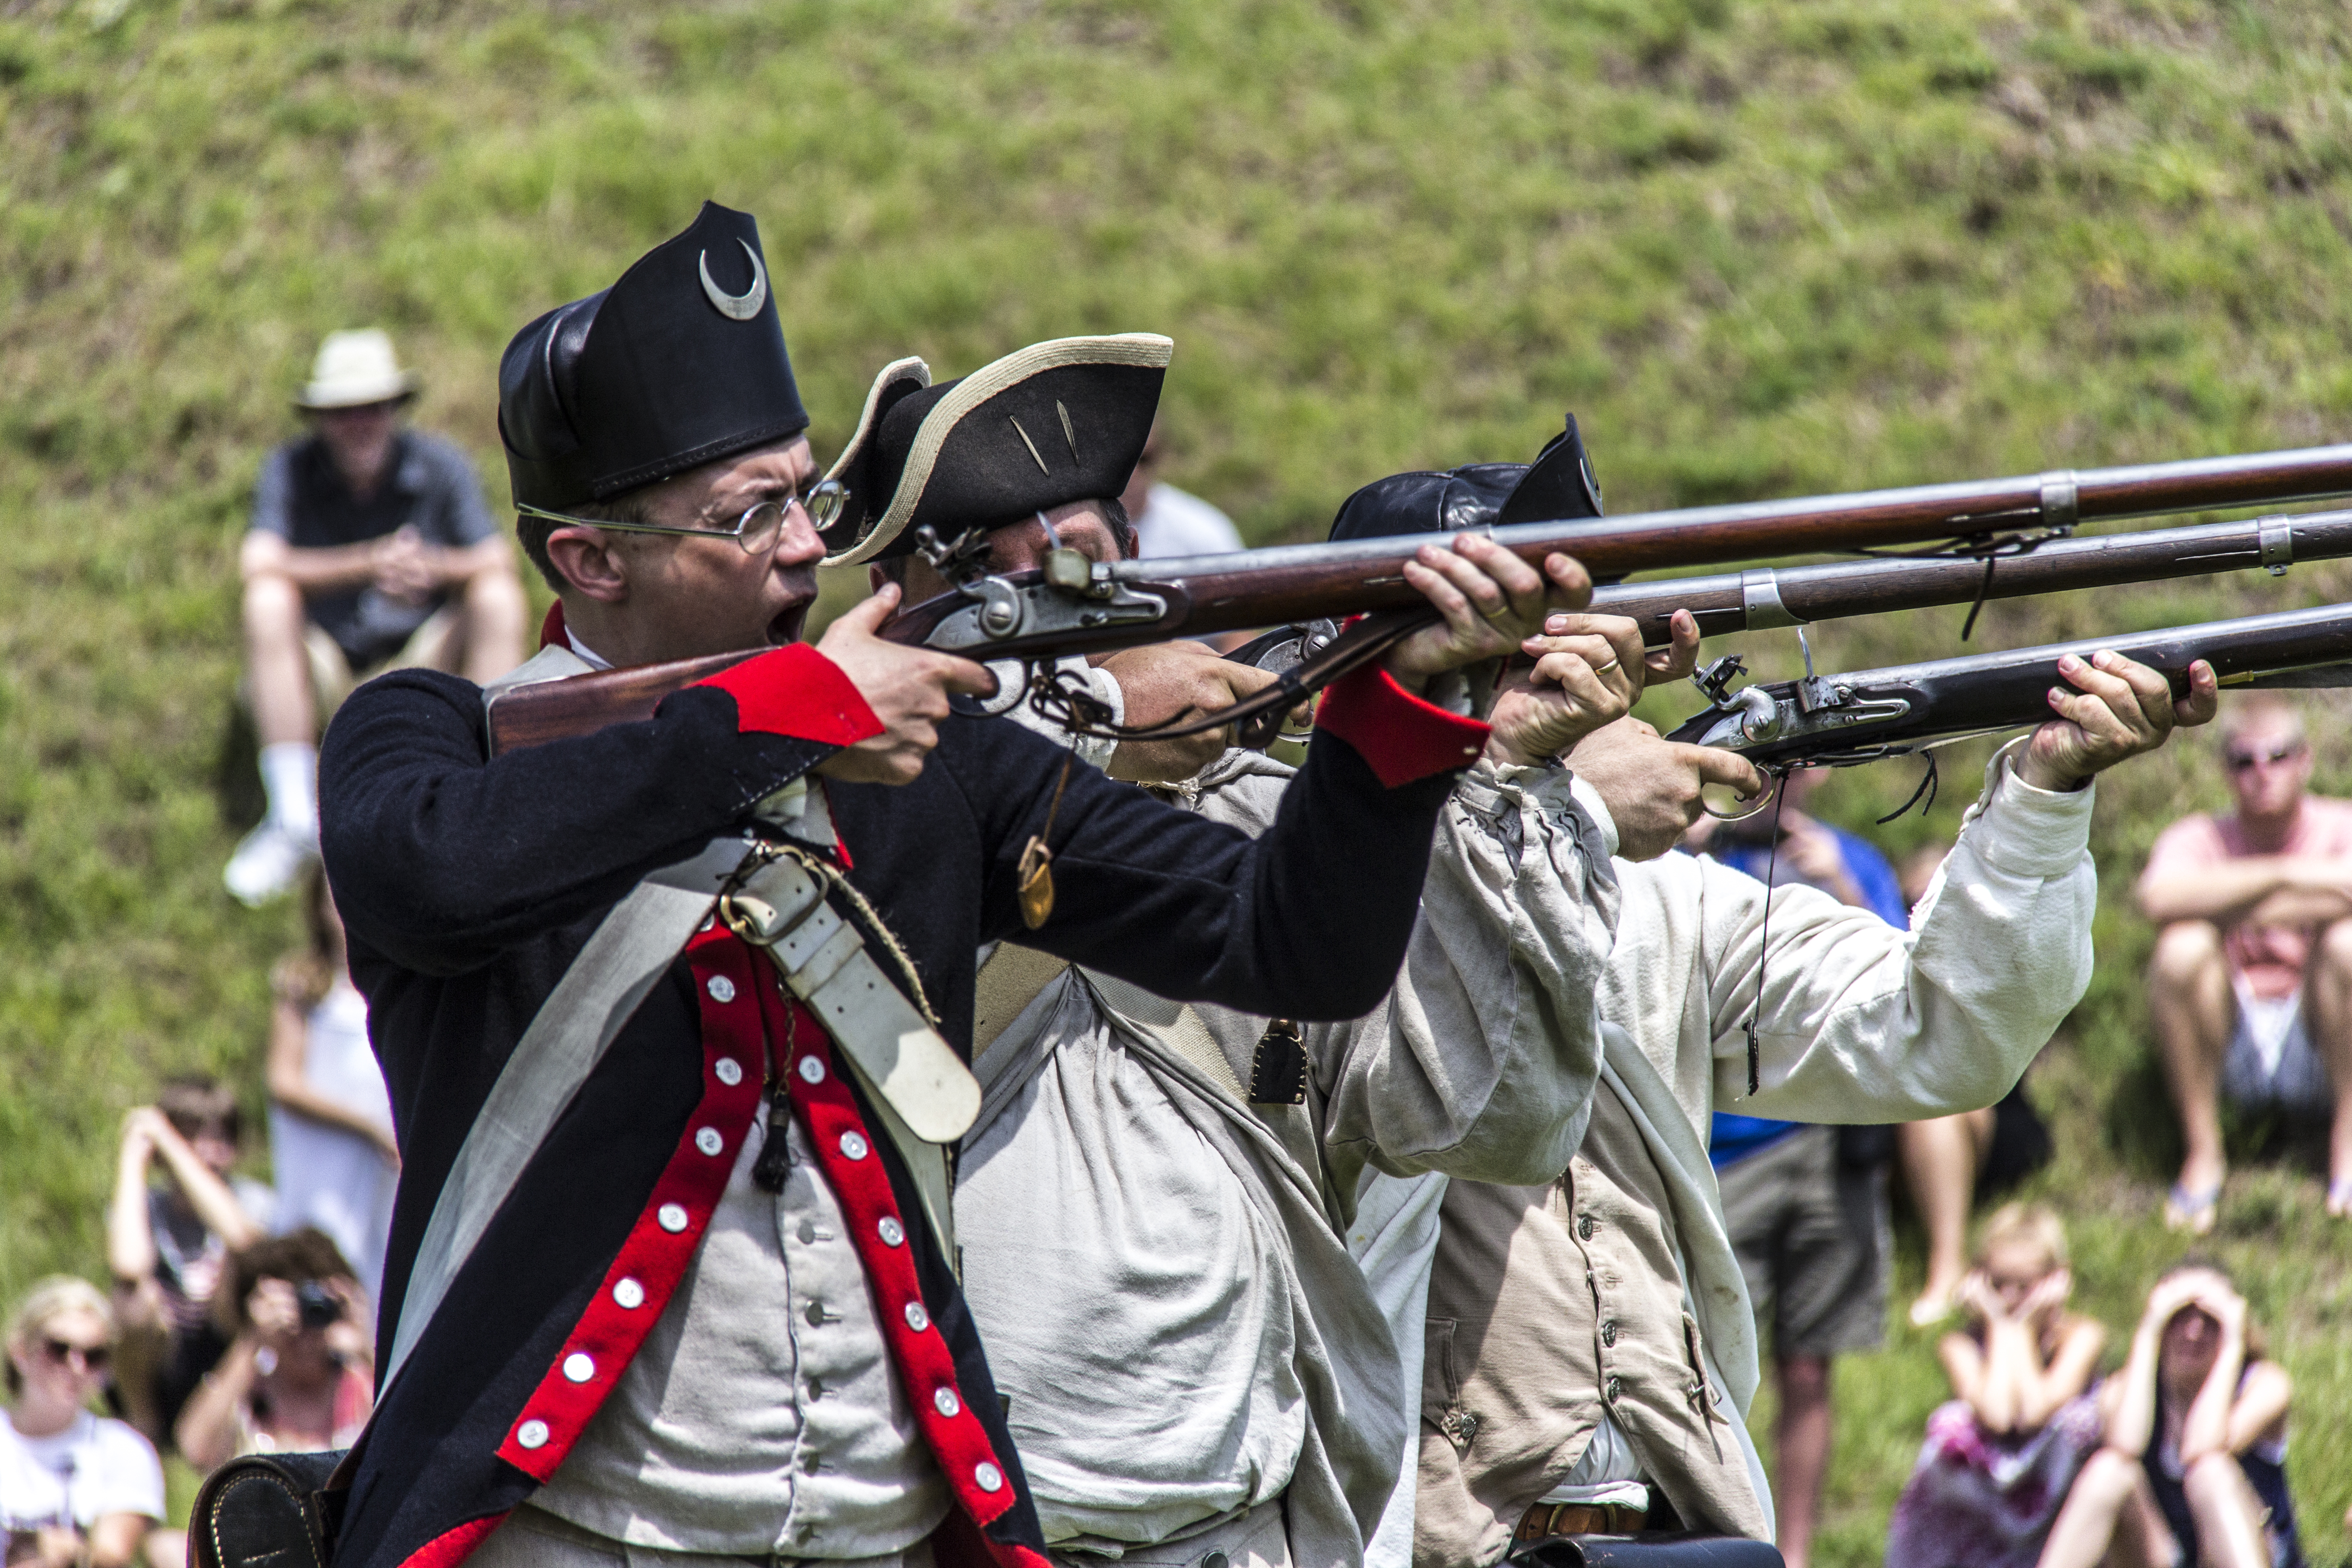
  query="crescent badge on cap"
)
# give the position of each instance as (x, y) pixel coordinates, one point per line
(736, 307)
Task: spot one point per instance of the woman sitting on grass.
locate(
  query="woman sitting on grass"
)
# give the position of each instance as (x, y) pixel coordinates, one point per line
(1999, 1458)
(77, 1490)
(2194, 1469)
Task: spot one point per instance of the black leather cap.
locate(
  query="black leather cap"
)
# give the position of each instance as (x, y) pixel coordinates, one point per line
(1051, 423)
(1558, 484)
(678, 363)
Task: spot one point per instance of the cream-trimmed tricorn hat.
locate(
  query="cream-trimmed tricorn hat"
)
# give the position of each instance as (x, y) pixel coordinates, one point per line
(1051, 423)
(354, 369)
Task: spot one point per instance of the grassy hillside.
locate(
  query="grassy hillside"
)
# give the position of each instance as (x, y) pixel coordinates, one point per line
(1759, 247)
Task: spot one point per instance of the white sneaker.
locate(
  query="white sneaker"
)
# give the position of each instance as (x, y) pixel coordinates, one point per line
(266, 864)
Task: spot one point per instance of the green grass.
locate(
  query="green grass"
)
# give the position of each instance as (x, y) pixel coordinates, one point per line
(1759, 247)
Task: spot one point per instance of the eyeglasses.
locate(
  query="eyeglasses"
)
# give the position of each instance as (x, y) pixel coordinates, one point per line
(2241, 762)
(93, 1357)
(756, 531)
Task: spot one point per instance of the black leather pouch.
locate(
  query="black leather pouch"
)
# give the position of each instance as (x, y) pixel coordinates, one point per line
(267, 1511)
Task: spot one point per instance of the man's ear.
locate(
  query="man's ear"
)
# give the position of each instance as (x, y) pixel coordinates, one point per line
(588, 560)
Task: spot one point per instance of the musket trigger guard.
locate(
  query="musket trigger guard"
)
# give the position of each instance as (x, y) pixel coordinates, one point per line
(1763, 798)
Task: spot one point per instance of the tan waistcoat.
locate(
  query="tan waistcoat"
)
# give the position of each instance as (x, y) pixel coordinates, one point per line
(1548, 1304)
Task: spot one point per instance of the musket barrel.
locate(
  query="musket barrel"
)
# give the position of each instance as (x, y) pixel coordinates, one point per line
(1730, 602)
(1299, 582)
(1904, 708)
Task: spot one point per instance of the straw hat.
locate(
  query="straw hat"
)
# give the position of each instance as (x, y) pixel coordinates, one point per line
(354, 369)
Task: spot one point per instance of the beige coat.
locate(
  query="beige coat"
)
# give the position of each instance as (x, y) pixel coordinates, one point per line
(1613, 1287)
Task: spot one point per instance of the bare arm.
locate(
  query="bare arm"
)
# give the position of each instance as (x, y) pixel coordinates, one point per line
(130, 1240)
(211, 1422)
(2261, 1407)
(2205, 1429)
(206, 1194)
(2047, 1391)
(289, 1083)
(2232, 890)
(2132, 1422)
(314, 571)
(114, 1539)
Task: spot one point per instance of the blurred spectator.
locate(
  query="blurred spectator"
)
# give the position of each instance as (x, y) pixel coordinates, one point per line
(1952, 1162)
(2023, 1421)
(370, 550)
(1169, 522)
(2250, 984)
(1806, 1206)
(166, 1242)
(300, 1374)
(75, 1489)
(329, 1117)
(2194, 1469)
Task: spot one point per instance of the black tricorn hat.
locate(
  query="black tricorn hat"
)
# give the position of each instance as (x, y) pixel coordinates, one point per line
(1557, 484)
(1051, 423)
(680, 363)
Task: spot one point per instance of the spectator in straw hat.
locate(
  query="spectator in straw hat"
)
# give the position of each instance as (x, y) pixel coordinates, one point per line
(370, 550)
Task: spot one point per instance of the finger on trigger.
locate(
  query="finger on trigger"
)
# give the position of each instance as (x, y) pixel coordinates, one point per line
(1715, 765)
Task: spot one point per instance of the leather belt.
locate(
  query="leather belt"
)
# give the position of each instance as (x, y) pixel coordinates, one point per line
(1546, 1520)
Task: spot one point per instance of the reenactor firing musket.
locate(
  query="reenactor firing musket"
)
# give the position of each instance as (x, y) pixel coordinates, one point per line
(1075, 606)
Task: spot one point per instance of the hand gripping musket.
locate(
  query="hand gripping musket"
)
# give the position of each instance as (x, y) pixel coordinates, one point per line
(1073, 606)
(1839, 720)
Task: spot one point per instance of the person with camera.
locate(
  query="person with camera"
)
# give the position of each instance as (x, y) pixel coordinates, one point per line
(299, 1373)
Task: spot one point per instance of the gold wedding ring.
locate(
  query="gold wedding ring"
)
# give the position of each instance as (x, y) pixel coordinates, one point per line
(1604, 668)
(1497, 613)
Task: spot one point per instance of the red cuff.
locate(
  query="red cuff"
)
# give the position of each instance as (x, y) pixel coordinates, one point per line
(796, 691)
(1403, 738)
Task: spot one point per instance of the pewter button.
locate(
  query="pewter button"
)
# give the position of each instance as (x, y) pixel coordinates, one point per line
(578, 1367)
(808, 1232)
(947, 1403)
(1611, 1391)
(671, 1218)
(629, 1294)
(708, 1140)
(1608, 1334)
(853, 1147)
(816, 1314)
(812, 1070)
(892, 1233)
(990, 1477)
(916, 1319)
(1584, 1227)
(728, 1070)
(721, 989)
(1216, 1560)
(532, 1434)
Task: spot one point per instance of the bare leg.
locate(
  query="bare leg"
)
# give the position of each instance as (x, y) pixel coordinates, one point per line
(2194, 1011)
(2327, 1012)
(1802, 1438)
(2086, 1526)
(491, 634)
(279, 670)
(1940, 1157)
(2229, 1516)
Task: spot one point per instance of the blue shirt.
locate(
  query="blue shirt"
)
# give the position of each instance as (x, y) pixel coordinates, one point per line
(1734, 1138)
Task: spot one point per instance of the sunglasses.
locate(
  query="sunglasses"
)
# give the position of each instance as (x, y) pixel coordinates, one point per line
(93, 1357)
(2241, 762)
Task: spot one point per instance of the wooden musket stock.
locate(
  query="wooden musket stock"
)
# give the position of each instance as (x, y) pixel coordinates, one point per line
(1129, 603)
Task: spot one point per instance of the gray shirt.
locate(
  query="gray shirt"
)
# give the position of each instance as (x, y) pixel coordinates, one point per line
(762, 1415)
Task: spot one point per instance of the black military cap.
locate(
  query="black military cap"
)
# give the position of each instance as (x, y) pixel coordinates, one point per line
(680, 363)
(1053, 422)
(1557, 484)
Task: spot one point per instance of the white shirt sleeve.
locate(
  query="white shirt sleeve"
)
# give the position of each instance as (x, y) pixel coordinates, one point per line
(1864, 1023)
